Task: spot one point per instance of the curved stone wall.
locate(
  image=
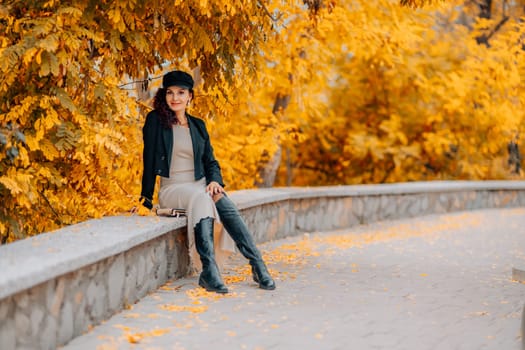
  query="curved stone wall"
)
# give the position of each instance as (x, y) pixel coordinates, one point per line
(54, 286)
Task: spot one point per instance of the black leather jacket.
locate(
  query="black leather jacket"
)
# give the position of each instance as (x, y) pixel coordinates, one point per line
(158, 146)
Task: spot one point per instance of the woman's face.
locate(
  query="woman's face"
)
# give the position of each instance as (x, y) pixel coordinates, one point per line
(177, 98)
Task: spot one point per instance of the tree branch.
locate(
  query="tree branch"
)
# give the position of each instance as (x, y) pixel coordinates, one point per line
(52, 209)
(275, 19)
(138, 81)
(484, 39)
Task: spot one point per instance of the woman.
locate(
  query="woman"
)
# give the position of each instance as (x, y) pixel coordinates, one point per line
(177, 148)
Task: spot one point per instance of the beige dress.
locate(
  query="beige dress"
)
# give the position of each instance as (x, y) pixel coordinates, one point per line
(181, 190)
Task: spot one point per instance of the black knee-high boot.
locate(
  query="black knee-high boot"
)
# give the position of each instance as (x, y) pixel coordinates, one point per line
(236, 227)
(210, 277)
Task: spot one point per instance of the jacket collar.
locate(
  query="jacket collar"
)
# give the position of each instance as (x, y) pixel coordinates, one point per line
(196, 138)
(167, 138)
(195, 135)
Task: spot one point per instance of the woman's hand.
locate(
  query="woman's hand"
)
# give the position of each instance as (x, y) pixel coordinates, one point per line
(214, 188)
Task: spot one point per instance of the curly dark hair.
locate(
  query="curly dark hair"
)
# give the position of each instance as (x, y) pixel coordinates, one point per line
(167, 116)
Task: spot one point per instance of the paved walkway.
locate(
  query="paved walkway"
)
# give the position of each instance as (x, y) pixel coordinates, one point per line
(437, 282)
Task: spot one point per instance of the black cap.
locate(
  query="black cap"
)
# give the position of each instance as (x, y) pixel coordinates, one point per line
(177, 78)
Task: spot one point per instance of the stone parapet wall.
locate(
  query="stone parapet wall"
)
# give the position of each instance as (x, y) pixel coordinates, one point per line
(54, 286)
(288, 217)
(57, 285)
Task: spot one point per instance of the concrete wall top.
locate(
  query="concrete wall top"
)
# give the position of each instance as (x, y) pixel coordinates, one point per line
(37, 259)
(252, 198)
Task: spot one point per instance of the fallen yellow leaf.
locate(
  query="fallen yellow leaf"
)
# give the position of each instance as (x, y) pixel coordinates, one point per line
(159, 332)
(177, 308)
(133, 338)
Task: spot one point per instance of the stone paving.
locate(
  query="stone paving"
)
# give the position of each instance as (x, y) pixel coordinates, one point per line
(434, 282)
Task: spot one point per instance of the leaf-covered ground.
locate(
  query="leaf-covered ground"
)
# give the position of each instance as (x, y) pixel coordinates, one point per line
(437, 282)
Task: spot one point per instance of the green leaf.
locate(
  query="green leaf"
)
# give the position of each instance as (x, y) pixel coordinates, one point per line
(65, 100)
(100, 90)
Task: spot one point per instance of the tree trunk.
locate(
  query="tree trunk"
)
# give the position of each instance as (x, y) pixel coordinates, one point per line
(268, 170)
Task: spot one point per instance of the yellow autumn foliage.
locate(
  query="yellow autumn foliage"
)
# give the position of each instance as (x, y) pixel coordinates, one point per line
(405, 95)
(70, 130)
(324, 92)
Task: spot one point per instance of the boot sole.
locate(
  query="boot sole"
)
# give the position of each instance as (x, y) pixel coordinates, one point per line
(256, 280)
(220, 291)
(267, 288)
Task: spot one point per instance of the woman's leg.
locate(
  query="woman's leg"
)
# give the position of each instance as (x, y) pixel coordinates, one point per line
(202, 209)
(210, 277)
(201, 214)
(236, 227)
